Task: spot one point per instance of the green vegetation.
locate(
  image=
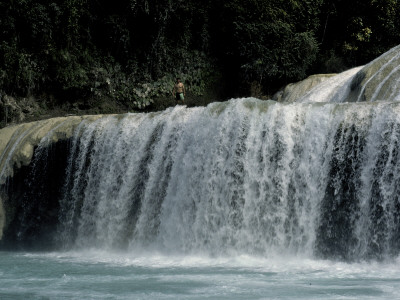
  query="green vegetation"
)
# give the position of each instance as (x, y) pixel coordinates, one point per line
(129, 51)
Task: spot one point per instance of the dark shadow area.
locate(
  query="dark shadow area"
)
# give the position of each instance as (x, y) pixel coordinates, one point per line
(31, 200)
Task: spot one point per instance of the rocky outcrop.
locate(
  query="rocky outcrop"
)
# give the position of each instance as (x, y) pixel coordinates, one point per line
(17, 145)
(379, 80)
(17, 142)
(294, 91)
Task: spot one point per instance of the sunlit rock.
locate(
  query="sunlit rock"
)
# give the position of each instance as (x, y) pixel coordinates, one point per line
(294, 91)
(18, 142)
(376, 81)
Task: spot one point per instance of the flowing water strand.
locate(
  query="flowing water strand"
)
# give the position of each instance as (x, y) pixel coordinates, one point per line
(73, 186)
(339, 205)
(379, 222)
(159, 168)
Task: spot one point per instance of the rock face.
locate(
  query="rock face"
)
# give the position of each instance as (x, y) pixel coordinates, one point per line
(17, 144)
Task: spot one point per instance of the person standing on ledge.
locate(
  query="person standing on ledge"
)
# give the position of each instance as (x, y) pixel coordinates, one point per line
(179, 91)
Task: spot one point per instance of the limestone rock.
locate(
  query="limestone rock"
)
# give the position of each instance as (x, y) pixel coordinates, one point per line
(294, 91)
(17, 143)
(379, 80)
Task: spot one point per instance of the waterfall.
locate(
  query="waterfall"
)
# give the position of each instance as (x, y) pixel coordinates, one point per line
(245, 176)
(318, 177)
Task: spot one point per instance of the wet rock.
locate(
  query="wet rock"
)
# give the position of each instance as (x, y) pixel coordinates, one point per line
(294, 91)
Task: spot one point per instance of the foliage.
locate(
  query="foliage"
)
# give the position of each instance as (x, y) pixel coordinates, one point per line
(360, 30)
(272, 41)
(132, 50)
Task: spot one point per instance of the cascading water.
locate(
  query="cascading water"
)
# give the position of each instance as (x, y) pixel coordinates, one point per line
(315, 178)
(246, 176)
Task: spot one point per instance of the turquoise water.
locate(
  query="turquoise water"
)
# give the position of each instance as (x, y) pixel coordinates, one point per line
(102, 275)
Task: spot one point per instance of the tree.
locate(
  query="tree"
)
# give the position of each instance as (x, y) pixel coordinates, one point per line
(272, 42)
(358, 31)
